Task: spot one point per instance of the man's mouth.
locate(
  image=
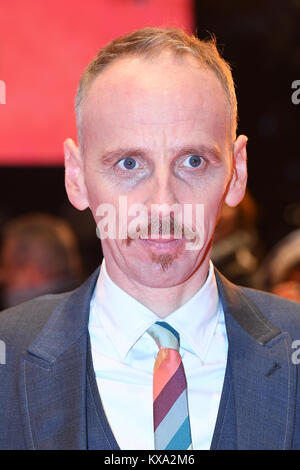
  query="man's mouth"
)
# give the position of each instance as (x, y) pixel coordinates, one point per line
(162, 244)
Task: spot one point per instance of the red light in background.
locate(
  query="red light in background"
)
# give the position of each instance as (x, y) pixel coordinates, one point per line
(44, 48)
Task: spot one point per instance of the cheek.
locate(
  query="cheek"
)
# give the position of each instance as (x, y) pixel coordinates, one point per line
(211, 199)
(209, 193)
(98, 191)
(214, 203)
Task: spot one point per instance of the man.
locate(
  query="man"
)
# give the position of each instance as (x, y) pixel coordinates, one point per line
(156, 117)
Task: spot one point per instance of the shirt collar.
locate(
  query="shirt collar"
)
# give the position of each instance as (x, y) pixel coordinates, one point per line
(125, 319)
(197, 319)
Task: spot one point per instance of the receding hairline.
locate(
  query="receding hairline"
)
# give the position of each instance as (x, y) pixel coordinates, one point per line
(150, 43)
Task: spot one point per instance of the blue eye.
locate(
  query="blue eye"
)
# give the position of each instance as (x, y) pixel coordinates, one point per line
(193, 161)
(128, 163)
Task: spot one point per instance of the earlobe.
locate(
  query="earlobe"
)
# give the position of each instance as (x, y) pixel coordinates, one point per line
(238, 183)
(74, 176)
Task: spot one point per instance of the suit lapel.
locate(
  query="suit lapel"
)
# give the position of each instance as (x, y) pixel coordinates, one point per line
(263, 377)
(52, 382)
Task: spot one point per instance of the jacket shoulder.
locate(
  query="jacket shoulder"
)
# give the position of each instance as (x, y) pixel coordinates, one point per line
(283, 313)
(24, 321)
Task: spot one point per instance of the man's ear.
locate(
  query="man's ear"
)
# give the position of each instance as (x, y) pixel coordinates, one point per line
(74, 176)
(238, 182)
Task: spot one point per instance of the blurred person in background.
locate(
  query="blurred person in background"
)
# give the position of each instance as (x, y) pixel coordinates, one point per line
(279, 273)
(237, 249)
(39, 255)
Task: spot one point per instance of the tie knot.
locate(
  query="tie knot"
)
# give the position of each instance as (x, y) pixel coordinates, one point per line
(164, 335)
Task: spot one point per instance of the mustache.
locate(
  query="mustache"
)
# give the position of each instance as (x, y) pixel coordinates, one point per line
(161, 228)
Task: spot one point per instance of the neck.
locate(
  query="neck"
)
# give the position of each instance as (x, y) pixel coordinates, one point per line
(162, 300)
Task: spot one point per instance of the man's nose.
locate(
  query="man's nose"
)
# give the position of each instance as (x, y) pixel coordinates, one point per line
(162, 191)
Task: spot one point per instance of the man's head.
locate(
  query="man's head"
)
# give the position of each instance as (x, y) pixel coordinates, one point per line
(156, 116)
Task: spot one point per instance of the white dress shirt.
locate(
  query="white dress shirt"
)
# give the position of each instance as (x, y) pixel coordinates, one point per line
(124, 353)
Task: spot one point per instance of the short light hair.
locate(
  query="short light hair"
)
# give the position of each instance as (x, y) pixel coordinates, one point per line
(150, 42)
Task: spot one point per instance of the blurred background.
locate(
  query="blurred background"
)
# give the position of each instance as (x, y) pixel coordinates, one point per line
(48, 246)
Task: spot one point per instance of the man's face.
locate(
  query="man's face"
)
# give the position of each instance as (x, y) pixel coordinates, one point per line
(158, 132)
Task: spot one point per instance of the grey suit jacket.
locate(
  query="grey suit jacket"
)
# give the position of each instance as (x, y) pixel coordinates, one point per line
(43, 380)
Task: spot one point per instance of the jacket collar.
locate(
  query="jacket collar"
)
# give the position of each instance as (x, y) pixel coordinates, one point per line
(67, 323)
(52, 376)
(262, 375)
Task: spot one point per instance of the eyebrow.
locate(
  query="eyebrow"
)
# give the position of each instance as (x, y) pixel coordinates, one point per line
(213, 152)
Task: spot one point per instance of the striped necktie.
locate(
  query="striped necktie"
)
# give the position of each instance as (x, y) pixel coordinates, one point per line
(170, 409)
